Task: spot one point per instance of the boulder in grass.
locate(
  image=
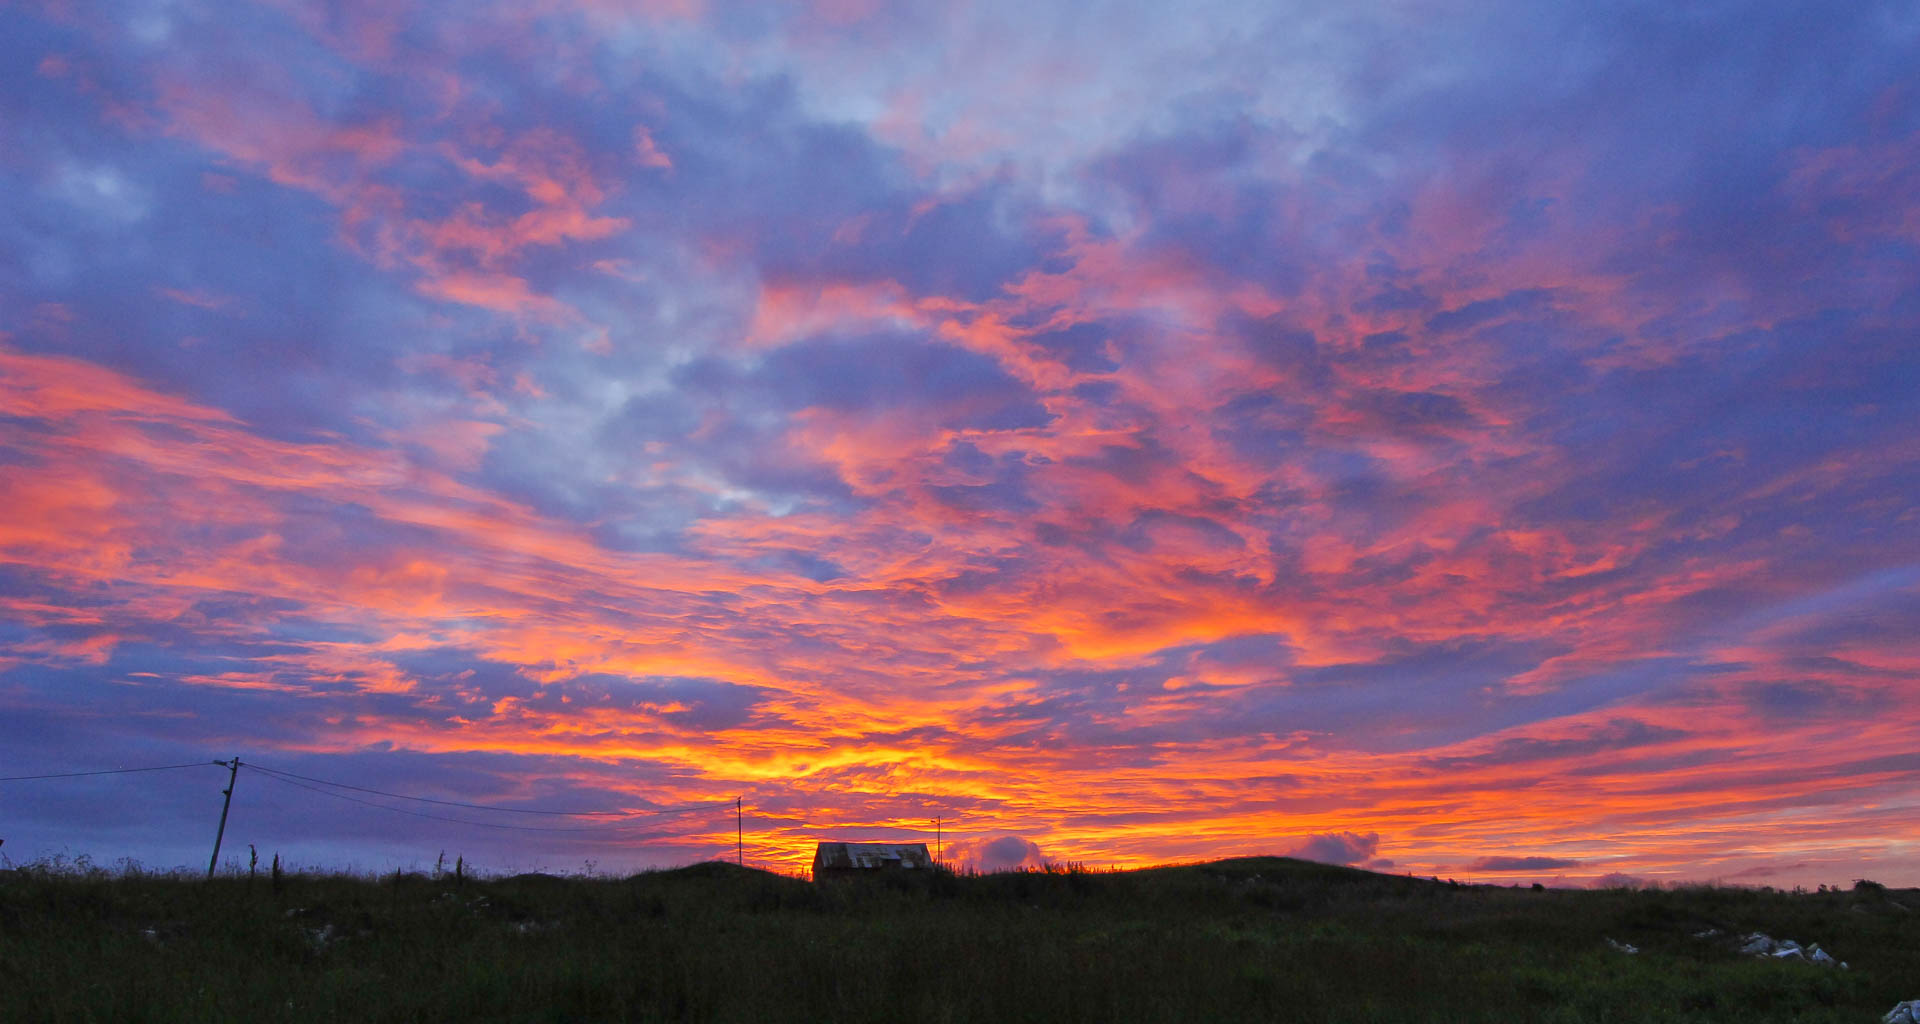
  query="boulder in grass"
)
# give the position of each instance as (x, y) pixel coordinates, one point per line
(1762, 945)
(1904, 1013)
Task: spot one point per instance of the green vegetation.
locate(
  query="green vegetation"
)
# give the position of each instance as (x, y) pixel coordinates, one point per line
(1255, 939)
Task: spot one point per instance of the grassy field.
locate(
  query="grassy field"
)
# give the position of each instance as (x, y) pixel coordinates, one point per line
(1264, 939)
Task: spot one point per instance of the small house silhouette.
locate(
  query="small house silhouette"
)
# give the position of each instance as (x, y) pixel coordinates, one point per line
(846, 860)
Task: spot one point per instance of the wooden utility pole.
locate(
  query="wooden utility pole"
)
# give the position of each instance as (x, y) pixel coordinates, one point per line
(233, 773)
(936, 839)
(739, 834)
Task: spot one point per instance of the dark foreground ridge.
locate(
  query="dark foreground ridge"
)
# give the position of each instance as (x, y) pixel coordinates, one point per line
(1248, 939)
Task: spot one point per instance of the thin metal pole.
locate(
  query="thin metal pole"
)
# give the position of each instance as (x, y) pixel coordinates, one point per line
(233, 773)
(739, 834)
(936, 839)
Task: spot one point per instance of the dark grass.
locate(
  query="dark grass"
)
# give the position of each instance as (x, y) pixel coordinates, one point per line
(1254, 939)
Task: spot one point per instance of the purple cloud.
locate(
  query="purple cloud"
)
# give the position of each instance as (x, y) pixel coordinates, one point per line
(1347, 848)
(1002, 853)
(1521, 864)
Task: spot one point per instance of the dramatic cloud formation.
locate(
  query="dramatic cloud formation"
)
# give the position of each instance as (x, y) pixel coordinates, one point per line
(1161, 433)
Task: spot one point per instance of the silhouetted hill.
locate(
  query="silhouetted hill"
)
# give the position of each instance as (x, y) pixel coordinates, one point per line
(1255, 938)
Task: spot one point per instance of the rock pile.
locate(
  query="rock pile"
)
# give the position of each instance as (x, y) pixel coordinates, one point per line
(1762, 945)
(1905, 1013)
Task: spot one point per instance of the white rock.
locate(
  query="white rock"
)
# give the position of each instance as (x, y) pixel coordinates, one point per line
(1623, 947)
(1903, 1013)
(1757, 945)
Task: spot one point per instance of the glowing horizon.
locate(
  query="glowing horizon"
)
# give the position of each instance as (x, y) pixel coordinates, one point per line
(1449, 444)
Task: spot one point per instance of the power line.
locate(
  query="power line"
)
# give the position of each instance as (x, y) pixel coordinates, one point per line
(317, 785)
(600, 830)
(110, 771)
(488, 807)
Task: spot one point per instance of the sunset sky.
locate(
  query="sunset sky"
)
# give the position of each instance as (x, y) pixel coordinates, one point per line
(1467, 439)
